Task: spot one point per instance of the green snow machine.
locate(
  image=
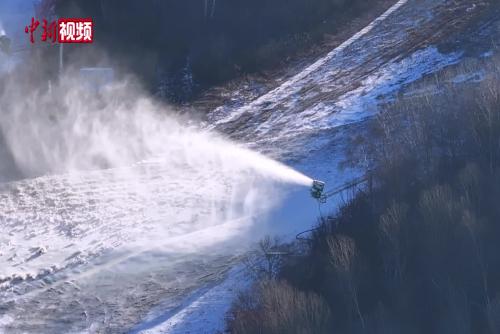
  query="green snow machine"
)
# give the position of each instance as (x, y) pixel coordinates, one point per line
(317, 189)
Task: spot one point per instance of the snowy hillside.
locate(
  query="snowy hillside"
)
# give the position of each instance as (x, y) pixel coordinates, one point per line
(153, 244)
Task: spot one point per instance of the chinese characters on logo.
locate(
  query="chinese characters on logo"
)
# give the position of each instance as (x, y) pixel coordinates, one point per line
(63, 30)
(32, 28)
(76, 31)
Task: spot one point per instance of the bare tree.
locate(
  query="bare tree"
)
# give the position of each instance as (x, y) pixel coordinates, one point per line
(471, 223)
(391, 240)
(281, 309)
(265, 263)
(456, 316)
(493, 313)
(343, 256)
(209, 8)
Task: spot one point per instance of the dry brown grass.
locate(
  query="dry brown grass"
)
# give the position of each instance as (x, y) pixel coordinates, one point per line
(277, 308)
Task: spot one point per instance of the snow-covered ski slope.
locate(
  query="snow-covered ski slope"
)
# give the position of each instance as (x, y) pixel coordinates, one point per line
(130, 249)
(341, 87)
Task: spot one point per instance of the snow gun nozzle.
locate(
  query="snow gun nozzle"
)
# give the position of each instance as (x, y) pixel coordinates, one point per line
(317, 189)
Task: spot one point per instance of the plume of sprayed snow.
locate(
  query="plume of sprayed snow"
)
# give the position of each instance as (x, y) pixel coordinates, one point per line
(70, 128)
(179, 187)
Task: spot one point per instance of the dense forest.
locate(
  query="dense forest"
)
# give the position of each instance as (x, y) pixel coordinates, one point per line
(419, 251)
(184, 46)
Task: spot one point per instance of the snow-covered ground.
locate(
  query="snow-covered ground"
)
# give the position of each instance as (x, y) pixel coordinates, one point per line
(204, 313)
(80, 242)
(155, 247)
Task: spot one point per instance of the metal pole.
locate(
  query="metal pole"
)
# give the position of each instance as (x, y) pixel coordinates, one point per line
(61, 54)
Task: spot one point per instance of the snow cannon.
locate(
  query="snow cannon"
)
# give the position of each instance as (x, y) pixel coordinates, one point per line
(317, 189)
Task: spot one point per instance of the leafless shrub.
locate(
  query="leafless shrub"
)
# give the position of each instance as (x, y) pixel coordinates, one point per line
(471, 224)
(485, 121)
(383, 321)
(456, 316)
(437, 206)
(439, 229)
(392, 241)
(267, 260)
(281, 309)
(493, 313)
(469, 180)
(343, 257)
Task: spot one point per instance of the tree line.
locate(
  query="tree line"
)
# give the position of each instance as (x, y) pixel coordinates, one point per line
(197, 43)
(419, 251)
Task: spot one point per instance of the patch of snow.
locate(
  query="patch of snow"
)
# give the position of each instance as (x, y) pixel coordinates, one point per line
(487, 54)
(204, 314)
(293, 86)
(361, 103)
(6, 320)
(476, 76)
